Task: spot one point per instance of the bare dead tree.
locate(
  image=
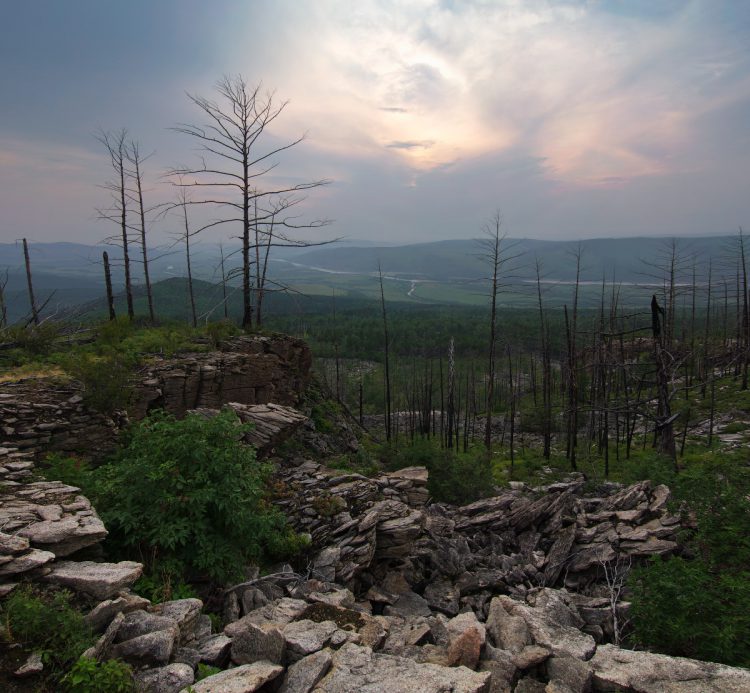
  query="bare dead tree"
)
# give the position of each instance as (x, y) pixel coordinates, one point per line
(386, 350)
(236, 154)
(116, 144)
(3, 303)
(223, 282)
(496, 253)
(30, 284)
(185, 235)
(136, 159)
(108, 284)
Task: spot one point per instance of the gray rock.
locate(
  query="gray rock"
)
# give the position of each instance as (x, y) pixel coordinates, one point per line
(244, 679)
(138, 623)
(302, 676)
(32, 666)
(169, 679)
(99, 580)
(186, 655)
(407, 605)
(644, 672)
(306, 637)
(508, 632)
(184, 611)
(152, 648)
(23, 563)
(531, 656)
(100, 616)
(100, 649)
(281, 611)
(215, 650)
(529, 685)
(356, 668)
(255, 643)
(544, 630)
(574, 673)
(442, 595)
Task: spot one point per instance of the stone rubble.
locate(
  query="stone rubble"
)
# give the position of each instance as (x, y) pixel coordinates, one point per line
(403, 596)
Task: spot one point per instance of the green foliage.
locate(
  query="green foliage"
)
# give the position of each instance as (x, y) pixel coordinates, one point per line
(688, 608)
(69, 470)
(46, 623)
(701, 607)
(459, 478)
(89, 676)
(162, 586)
(218, 331)
(188, 497)
(106, 377)
(205, 670)
(37, 340)
(735, 427)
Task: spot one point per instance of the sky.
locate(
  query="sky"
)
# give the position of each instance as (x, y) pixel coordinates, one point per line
(573, 118)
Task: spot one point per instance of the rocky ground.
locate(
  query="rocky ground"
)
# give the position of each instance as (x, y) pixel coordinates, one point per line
(506, 594)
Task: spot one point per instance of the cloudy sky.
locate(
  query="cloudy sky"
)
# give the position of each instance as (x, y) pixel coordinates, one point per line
(574, 118)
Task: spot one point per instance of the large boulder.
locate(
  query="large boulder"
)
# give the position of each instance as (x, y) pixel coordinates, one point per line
(356, 668)
(645, 672)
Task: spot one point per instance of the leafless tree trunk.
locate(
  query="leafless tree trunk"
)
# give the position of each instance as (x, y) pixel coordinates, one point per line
(30, 284)
(116, 146)
(234, 138)
(3, 304)
(134, 156)
(224, 283)
(183, 202)
(495, 255)
(108, 284)
(386, 350)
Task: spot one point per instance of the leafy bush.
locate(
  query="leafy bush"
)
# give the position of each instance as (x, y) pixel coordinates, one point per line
(701, 607)
(187, 497)
(205, 670)
(106, 377)
(89, 676)
(48, 624)
(162, 586)
(69, 470)
(38, 340)
(687, 608)
(459, 478)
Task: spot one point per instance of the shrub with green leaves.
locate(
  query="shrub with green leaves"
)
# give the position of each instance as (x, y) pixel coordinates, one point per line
(89, 676)
(700, 606)
(459, 478)
(46, 623)
(188, 498)
(106, 377)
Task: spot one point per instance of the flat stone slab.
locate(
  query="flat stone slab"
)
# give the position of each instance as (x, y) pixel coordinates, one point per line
(99, 580)
(356, 668)
(645, 672)
(244, 679)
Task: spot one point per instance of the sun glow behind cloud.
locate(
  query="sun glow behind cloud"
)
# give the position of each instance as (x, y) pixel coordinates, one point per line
(599, 98)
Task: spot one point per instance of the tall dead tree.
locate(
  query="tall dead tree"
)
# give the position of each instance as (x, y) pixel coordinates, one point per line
(386, 353)
(30, 284)
(136, 159)
(665, 421)
(494, 253)
(3, 304)
(108, 285)
(116, 144)
(237, 153)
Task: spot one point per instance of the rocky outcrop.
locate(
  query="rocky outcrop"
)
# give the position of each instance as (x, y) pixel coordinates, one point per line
(247, 370)
(39, 520)
(39, 416)
(517, 540)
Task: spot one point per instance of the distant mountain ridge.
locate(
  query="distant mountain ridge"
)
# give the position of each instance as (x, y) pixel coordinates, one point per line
(621, 259)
